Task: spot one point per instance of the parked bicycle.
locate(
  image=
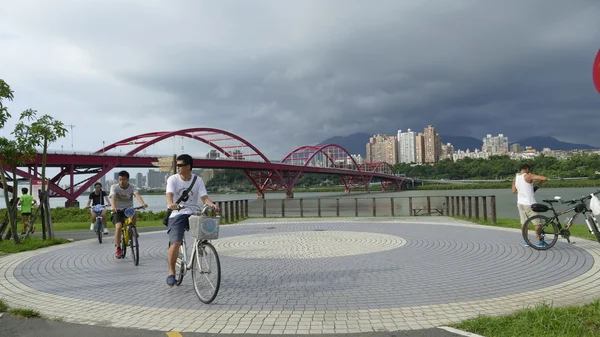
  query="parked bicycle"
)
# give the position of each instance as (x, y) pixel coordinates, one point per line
(204, 261)
(129, 235)
(98, 225)
(540, 227)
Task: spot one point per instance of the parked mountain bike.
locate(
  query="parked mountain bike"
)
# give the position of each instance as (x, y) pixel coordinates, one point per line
(204, 261)
(98, 225)
(129, 235)
(538, 228)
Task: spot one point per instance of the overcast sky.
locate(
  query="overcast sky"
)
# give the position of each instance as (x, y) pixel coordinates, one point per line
(283, 74)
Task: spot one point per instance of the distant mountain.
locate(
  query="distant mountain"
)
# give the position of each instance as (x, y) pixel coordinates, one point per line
(540, 142)
(463, 142)
(355, 143)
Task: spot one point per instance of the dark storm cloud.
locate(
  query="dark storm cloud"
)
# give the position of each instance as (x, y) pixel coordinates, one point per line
(284, 74)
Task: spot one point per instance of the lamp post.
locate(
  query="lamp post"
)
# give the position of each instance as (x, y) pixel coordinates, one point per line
(71, 126)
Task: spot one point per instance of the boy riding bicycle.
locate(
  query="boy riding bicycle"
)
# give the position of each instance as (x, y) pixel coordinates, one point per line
(121, 195)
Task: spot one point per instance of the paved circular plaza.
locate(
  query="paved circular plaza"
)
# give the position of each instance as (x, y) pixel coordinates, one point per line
(310, 276)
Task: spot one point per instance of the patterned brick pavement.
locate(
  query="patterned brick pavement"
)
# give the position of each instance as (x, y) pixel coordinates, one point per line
(310, 276)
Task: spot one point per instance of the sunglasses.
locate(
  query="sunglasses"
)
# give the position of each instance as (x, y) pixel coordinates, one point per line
(182, 165)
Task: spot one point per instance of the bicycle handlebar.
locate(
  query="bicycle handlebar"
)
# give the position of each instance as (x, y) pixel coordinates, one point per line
(582, 199)
(136, 208)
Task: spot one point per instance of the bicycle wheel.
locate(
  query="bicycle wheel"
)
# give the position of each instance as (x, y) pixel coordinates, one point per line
(99, 230)
(538, 238)
(594, 227)
(180, 265)
(206, 272)
(123, 244)
(135, 248)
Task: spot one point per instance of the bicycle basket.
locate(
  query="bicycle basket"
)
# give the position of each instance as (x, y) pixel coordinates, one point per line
(204, 228)
(129, 212)
(540, 208)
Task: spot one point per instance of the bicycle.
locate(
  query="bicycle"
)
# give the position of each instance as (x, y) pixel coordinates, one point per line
(98, 226)
(129, 235)
(552, 227)
(204, 227)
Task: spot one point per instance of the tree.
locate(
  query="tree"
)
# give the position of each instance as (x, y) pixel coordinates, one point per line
(46, 130)
(15, 152)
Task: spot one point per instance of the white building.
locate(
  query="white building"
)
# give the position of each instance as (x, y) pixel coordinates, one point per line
(407, 150)
(495, 145)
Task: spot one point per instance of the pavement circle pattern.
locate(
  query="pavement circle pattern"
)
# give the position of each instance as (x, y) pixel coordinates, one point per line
(441, 270)
(306, 245)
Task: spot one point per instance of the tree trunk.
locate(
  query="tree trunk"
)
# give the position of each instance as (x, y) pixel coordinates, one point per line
(12, 206)
(46, 201)
(42, 197)
(13, 224)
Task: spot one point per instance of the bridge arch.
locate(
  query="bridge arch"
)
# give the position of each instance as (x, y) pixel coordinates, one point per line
(147, 139)
(314, 150)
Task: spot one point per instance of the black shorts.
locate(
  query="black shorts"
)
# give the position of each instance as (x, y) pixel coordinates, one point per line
(118, 217)
(26, 214)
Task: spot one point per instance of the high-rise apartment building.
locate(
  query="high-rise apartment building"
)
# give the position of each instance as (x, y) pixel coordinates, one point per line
(420, 148)
(407, 150)
(495, 145)
(139, 180)
(382, 148)
(447, 151)
(433, 145)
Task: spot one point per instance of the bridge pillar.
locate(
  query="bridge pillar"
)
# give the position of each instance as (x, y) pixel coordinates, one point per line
(289, 194)
(72, 203)
(260, 195)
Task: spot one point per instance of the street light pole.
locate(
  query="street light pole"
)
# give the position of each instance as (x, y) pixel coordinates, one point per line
(71, 126)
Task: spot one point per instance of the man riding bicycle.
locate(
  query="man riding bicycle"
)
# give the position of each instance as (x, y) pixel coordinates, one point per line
(121, 195)
(179, 218)
(97, 198)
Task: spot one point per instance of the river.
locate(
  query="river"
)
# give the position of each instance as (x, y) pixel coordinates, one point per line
(505, 201)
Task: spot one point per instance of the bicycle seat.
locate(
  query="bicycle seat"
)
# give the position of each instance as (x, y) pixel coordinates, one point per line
(549, 200)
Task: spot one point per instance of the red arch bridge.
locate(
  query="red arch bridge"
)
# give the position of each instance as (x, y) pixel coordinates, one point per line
(265, 175)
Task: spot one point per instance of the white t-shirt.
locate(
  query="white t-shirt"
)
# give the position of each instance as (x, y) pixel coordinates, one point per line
(177, 186)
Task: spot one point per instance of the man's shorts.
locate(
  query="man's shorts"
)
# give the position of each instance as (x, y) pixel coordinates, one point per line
(525, 212)
(26, 213)
(118, 216)
(177, 226)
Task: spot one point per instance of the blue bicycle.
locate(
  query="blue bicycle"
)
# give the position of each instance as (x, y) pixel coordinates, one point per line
(98, 226)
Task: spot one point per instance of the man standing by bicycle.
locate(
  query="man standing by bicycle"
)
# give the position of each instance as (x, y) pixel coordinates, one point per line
(97, 198)
(179, 219)
(522, 185)
(121, 195)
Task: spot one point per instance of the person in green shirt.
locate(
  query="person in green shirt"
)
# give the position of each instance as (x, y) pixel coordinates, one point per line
(26, 201)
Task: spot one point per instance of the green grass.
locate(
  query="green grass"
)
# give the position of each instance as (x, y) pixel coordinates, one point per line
(3, 306)
(30, 243)
(541, 321)
(576, 230)
(27, 313)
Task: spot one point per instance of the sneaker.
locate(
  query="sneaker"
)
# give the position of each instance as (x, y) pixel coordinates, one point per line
(118, 253)
(171, 280)
(541, 244)
(525, 244)
(92, 226)
(105, 231)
